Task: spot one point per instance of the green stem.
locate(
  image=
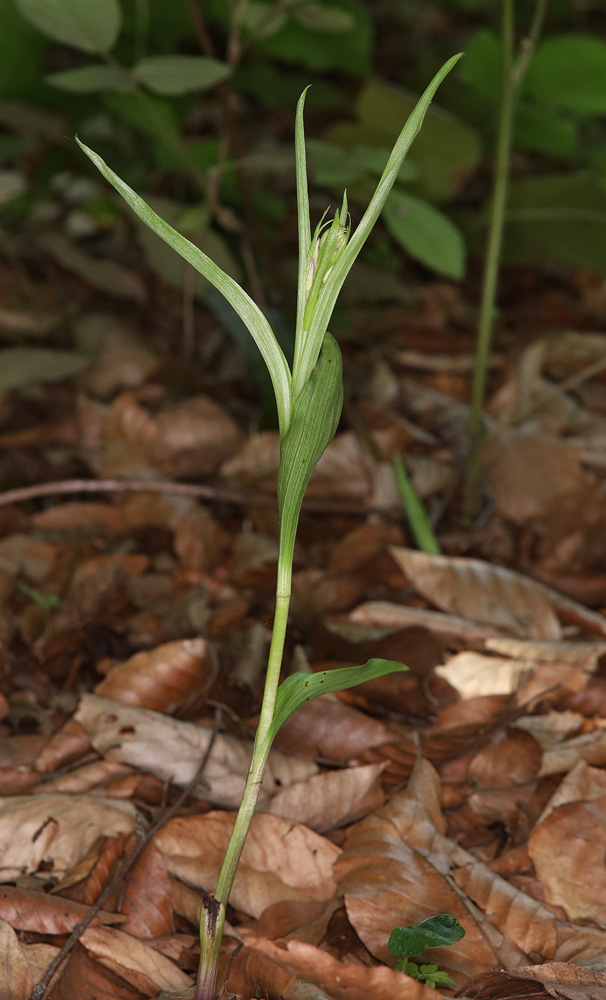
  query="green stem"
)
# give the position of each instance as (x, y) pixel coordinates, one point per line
(213, 914)
(512, 74)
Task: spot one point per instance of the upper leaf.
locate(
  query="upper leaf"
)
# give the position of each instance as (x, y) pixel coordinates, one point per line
(173, 75)
(89, 25)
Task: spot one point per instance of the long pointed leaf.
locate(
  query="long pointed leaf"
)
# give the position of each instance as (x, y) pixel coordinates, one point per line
(247, 310)
(344, 263)
(300, 688)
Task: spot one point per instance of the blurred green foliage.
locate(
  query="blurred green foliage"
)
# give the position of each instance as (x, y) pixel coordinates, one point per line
(195, 102)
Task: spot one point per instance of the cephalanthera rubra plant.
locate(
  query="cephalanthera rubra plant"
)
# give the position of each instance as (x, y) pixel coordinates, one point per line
(309, 400)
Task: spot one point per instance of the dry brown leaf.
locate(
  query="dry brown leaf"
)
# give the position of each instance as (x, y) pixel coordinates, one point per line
(147, 897)
(474, 675)
(56, 830)
(65, 746)
(341, 981)
(424, 785)
(172, 750)
(386, 883)
(140, 964)
(476, 590)
(387, 615)
(27, 910)
(575, 834)
(83, 978)
(193, 438)
(97, 775)
(582, 783)
(39, 956)
(507, 457)
(123, 361)
(571, 981)
(280, 860)
(533, 928)
(16, 982)
(27, 555)
(199, 540)
(331, 799)
(303, 920)
(93, 517)
(160, 678)
(590, 747)
(331, 730)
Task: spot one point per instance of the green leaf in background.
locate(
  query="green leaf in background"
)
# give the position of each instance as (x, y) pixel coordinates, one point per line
(441, 929)
(300, 688)
(545, 130)
(263, 19)
(21, 54)
(339, 168)
(89, 25)
(23, 366)
(174, 75)
(425, 233)
(444, 153)
(91, 79)
(480, 69)
(569, 71)
(345, 51)
(558, 219)
(319, 18)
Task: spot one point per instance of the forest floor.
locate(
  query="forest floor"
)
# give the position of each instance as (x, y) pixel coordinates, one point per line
(134, 632)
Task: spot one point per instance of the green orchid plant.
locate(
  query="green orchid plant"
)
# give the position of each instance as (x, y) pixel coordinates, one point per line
(309, 401)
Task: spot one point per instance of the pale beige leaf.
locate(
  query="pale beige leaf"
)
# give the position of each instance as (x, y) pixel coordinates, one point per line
(425, 786)
(138, 963)
(55, 829)
(580, 654)
(16, 982)
(582, 783)
(172, 750)
(160, 678)
(590, 747)
(281, 860)
(39, 956)
(575, 834)
(89, 776)
(474, 675)
(476, 590)
(331, 799)
(390, 617)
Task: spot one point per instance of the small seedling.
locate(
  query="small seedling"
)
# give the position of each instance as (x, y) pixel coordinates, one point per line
(439, 930)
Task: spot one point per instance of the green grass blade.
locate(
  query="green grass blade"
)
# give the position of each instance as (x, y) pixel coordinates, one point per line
(415, 511)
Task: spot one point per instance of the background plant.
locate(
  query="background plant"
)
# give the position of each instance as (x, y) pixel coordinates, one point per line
(435, 932)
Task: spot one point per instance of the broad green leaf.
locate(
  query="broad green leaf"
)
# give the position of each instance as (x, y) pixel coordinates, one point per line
(545, 130)
(22, 50)
(345, 51)
(480, 68)
(300, 688)
(569, 71)
(441, 929)
(89, 25)
(246, 308)
(558, 219)
(319, 18)
(263, 19)
(340, 168)
(91, 79)
(314, 420)
(445, 152)
(173, 75)
(426, 233)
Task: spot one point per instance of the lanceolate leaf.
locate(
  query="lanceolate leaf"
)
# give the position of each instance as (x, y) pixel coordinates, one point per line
(300, 688)
(172, 75)
(247, 310)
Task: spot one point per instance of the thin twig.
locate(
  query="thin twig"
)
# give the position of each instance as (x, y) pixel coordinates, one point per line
(204, 492)
(40, 990)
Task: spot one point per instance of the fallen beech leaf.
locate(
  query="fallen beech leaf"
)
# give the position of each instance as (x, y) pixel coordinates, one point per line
(172, 750)
(304, 920)
(100, 518)
(55, 829)
(160, 678)
(384, 617)
(582, 783)
(573, 981)
(70, 743)
(341, 981)
(83, 978)
(16, 982)
(474, 675)
(147, 897)
(575, 833)
(27, 555)
(331, 799)
(83, 779)
(476, 590)
(590, 747)
(140, 964)
(27, 910)
(39, 956)
(330, 729)
(386, 883)
(280, 860)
